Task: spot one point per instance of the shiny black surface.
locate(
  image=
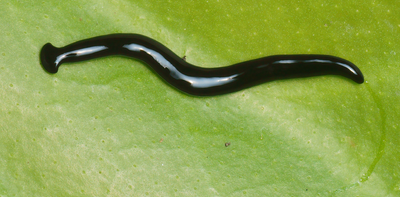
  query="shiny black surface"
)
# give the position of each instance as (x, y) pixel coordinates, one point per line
(193, 79)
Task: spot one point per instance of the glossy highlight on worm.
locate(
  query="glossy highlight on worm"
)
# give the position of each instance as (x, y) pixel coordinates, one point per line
(196, 80)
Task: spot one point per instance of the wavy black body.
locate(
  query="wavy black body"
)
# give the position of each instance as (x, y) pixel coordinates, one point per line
(193, 79)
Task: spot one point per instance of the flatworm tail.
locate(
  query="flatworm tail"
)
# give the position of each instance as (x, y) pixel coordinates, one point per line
(193, 79)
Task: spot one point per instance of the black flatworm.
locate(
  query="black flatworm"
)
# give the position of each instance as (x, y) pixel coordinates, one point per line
(193, 79)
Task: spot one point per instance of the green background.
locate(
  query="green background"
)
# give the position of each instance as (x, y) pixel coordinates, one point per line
(95, 128)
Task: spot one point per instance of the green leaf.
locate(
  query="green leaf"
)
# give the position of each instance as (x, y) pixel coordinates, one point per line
(110, 126)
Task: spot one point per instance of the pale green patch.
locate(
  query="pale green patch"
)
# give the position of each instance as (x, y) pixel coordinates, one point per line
(112, 127)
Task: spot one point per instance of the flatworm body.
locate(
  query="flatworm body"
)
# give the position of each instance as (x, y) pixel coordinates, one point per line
(193, 79)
